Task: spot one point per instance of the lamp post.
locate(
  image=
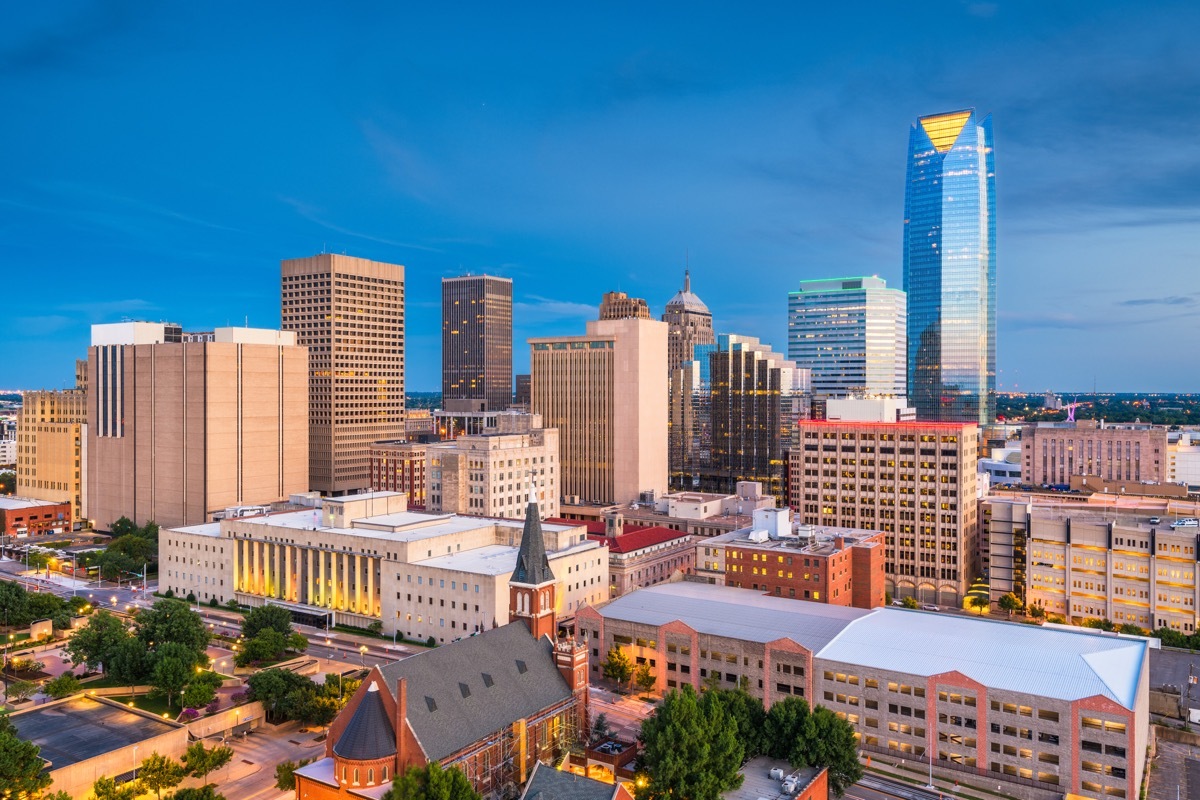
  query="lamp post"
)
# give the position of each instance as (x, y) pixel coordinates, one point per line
(362, 655)
(7, 646)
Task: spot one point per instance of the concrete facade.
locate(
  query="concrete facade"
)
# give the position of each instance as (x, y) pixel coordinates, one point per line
(349, 313)
(1088, 563)
(491, 474)
(178, 431)
(915, 481)
(365, 558)
(1051, 452)
(690, 324)
(52, 448)
(605, 393)
(618, 305)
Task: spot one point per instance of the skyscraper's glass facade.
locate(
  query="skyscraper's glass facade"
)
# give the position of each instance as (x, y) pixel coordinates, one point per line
(950, 268)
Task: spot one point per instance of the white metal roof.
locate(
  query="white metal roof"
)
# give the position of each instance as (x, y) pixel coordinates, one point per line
(734, 613)
(14, 503)
(1067, 665)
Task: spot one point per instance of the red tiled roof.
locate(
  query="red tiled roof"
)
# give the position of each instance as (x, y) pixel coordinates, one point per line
(631, 541)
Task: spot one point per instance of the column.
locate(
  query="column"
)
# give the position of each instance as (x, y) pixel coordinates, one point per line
(307, 595)
(253, 587)
(281, 573)
(333, 580)
(288, 558)
(321, 592)
(358, 604)
(371, 585)
(344, 597)
(237, 565)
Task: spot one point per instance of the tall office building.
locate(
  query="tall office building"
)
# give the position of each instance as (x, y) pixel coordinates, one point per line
(915, 481)
(950, 268)
(690, 324)
(349, 313)
(618, 305)
(757, 396)
(178, 430)
(850, 332)
(477, 343)
(52, 448)
(604, 392)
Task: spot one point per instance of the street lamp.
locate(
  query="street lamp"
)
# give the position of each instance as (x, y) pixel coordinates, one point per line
(362, 655)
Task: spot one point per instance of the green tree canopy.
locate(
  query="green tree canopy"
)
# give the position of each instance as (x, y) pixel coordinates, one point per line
(14, 604)
(123, 527)
(169, 676)
(21, 765)
(617, 667)
(910, 602)
(172, 621)
(130, 662)
(784, 724)
(268, 617)
(431, 782)
(137, 549)
(159, 772)
(200, 761)
(97, 642)
(64, 685)
(750, 717)
(1009, 602)
(108, 789)
(690, 749)
(828, 741)
(644, 678)
(272, 686)
(197, 793)
(285, 774)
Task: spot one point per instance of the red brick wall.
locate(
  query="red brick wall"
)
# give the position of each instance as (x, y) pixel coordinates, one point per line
(868, 588)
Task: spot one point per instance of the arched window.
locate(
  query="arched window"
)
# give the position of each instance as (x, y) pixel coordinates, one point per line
(343, 774)
(371, 777)
(385, 773)
(356, 776)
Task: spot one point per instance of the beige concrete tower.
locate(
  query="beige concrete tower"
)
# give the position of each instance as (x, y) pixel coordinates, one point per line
(51, 449)
(349, 312)
(691, 324)
(177, 430)
(605, 393)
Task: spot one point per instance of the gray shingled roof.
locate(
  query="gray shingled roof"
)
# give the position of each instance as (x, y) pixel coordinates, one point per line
(547, 783)
(533, 568)
(369, 734)
(461, 692)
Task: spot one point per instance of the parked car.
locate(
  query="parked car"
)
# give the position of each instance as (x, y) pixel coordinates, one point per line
(1155, 520)
(930, 607)
(1186, 522)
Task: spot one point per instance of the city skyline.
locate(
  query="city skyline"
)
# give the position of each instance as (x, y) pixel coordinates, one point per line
(165, 161)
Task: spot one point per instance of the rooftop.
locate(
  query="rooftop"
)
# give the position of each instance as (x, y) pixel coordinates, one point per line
(1068, 665)
(758, 782)
(639, 538)
(493, 559)
(734, 613)
(826, 540)
(14, 503)
(83, 728)
(547, 783)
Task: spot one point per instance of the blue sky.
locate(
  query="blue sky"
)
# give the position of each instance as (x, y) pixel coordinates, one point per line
(160, 159)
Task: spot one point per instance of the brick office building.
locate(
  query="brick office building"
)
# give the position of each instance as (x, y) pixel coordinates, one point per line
(1066, 711)
(22, 516)
(839, 566)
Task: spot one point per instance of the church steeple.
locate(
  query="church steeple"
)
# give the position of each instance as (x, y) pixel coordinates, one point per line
(531, 588)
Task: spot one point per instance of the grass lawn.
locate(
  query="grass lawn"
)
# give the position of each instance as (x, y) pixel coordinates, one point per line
(157, 706)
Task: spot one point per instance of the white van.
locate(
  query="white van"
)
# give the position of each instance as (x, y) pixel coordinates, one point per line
(1186, 522)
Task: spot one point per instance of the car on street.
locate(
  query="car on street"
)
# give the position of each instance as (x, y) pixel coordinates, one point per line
(930, 607)
(1155, 520)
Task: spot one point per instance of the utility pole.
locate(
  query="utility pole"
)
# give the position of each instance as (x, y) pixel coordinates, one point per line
(1187, 696)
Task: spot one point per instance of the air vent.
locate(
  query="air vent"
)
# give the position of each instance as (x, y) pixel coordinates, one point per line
(466, 690)
(487, 680)
(430, 702)
(521, 668)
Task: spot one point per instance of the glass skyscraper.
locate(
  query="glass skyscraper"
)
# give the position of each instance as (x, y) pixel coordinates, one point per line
(950, 268)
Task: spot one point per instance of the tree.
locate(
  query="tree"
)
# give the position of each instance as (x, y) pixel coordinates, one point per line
(21, 691)
(159, 772)
(644, 678)
(297, 642)
(828, 741)
(748, 712)
(200, 762)
(376, 627)
(137, 549)
(20, 764)
(690, 749)
(1036, 611)
(123, 527)
(285, 774)
(172, 621)
(1009, 602)
(617, 667)
(115, 564)
(64, 685)
(268, 617)
(601, 730)
(310, 707)
(131, 663)
(169, 676)
(95, 644)
(910, 602)
(979, 603)
(197, 694)
(783, 725)
(14, 604)
(108, 789)
(272, 687)
(431, 782)
(197, 793)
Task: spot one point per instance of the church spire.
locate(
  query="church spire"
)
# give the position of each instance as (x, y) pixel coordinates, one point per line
(533, 568)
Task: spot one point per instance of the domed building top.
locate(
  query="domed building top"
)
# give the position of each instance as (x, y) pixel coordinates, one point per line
(684, 300)
(369, 735)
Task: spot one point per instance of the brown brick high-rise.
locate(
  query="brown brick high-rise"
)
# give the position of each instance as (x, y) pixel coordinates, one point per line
(349, 312)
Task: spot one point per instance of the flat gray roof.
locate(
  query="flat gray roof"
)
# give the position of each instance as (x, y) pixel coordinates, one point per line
(1050, 662)
(734, 613)
(83, 728)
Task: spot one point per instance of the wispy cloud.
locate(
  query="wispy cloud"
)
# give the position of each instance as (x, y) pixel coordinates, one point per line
(410, 172)
(535, 309)
(1170, 300)
(312, 214)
